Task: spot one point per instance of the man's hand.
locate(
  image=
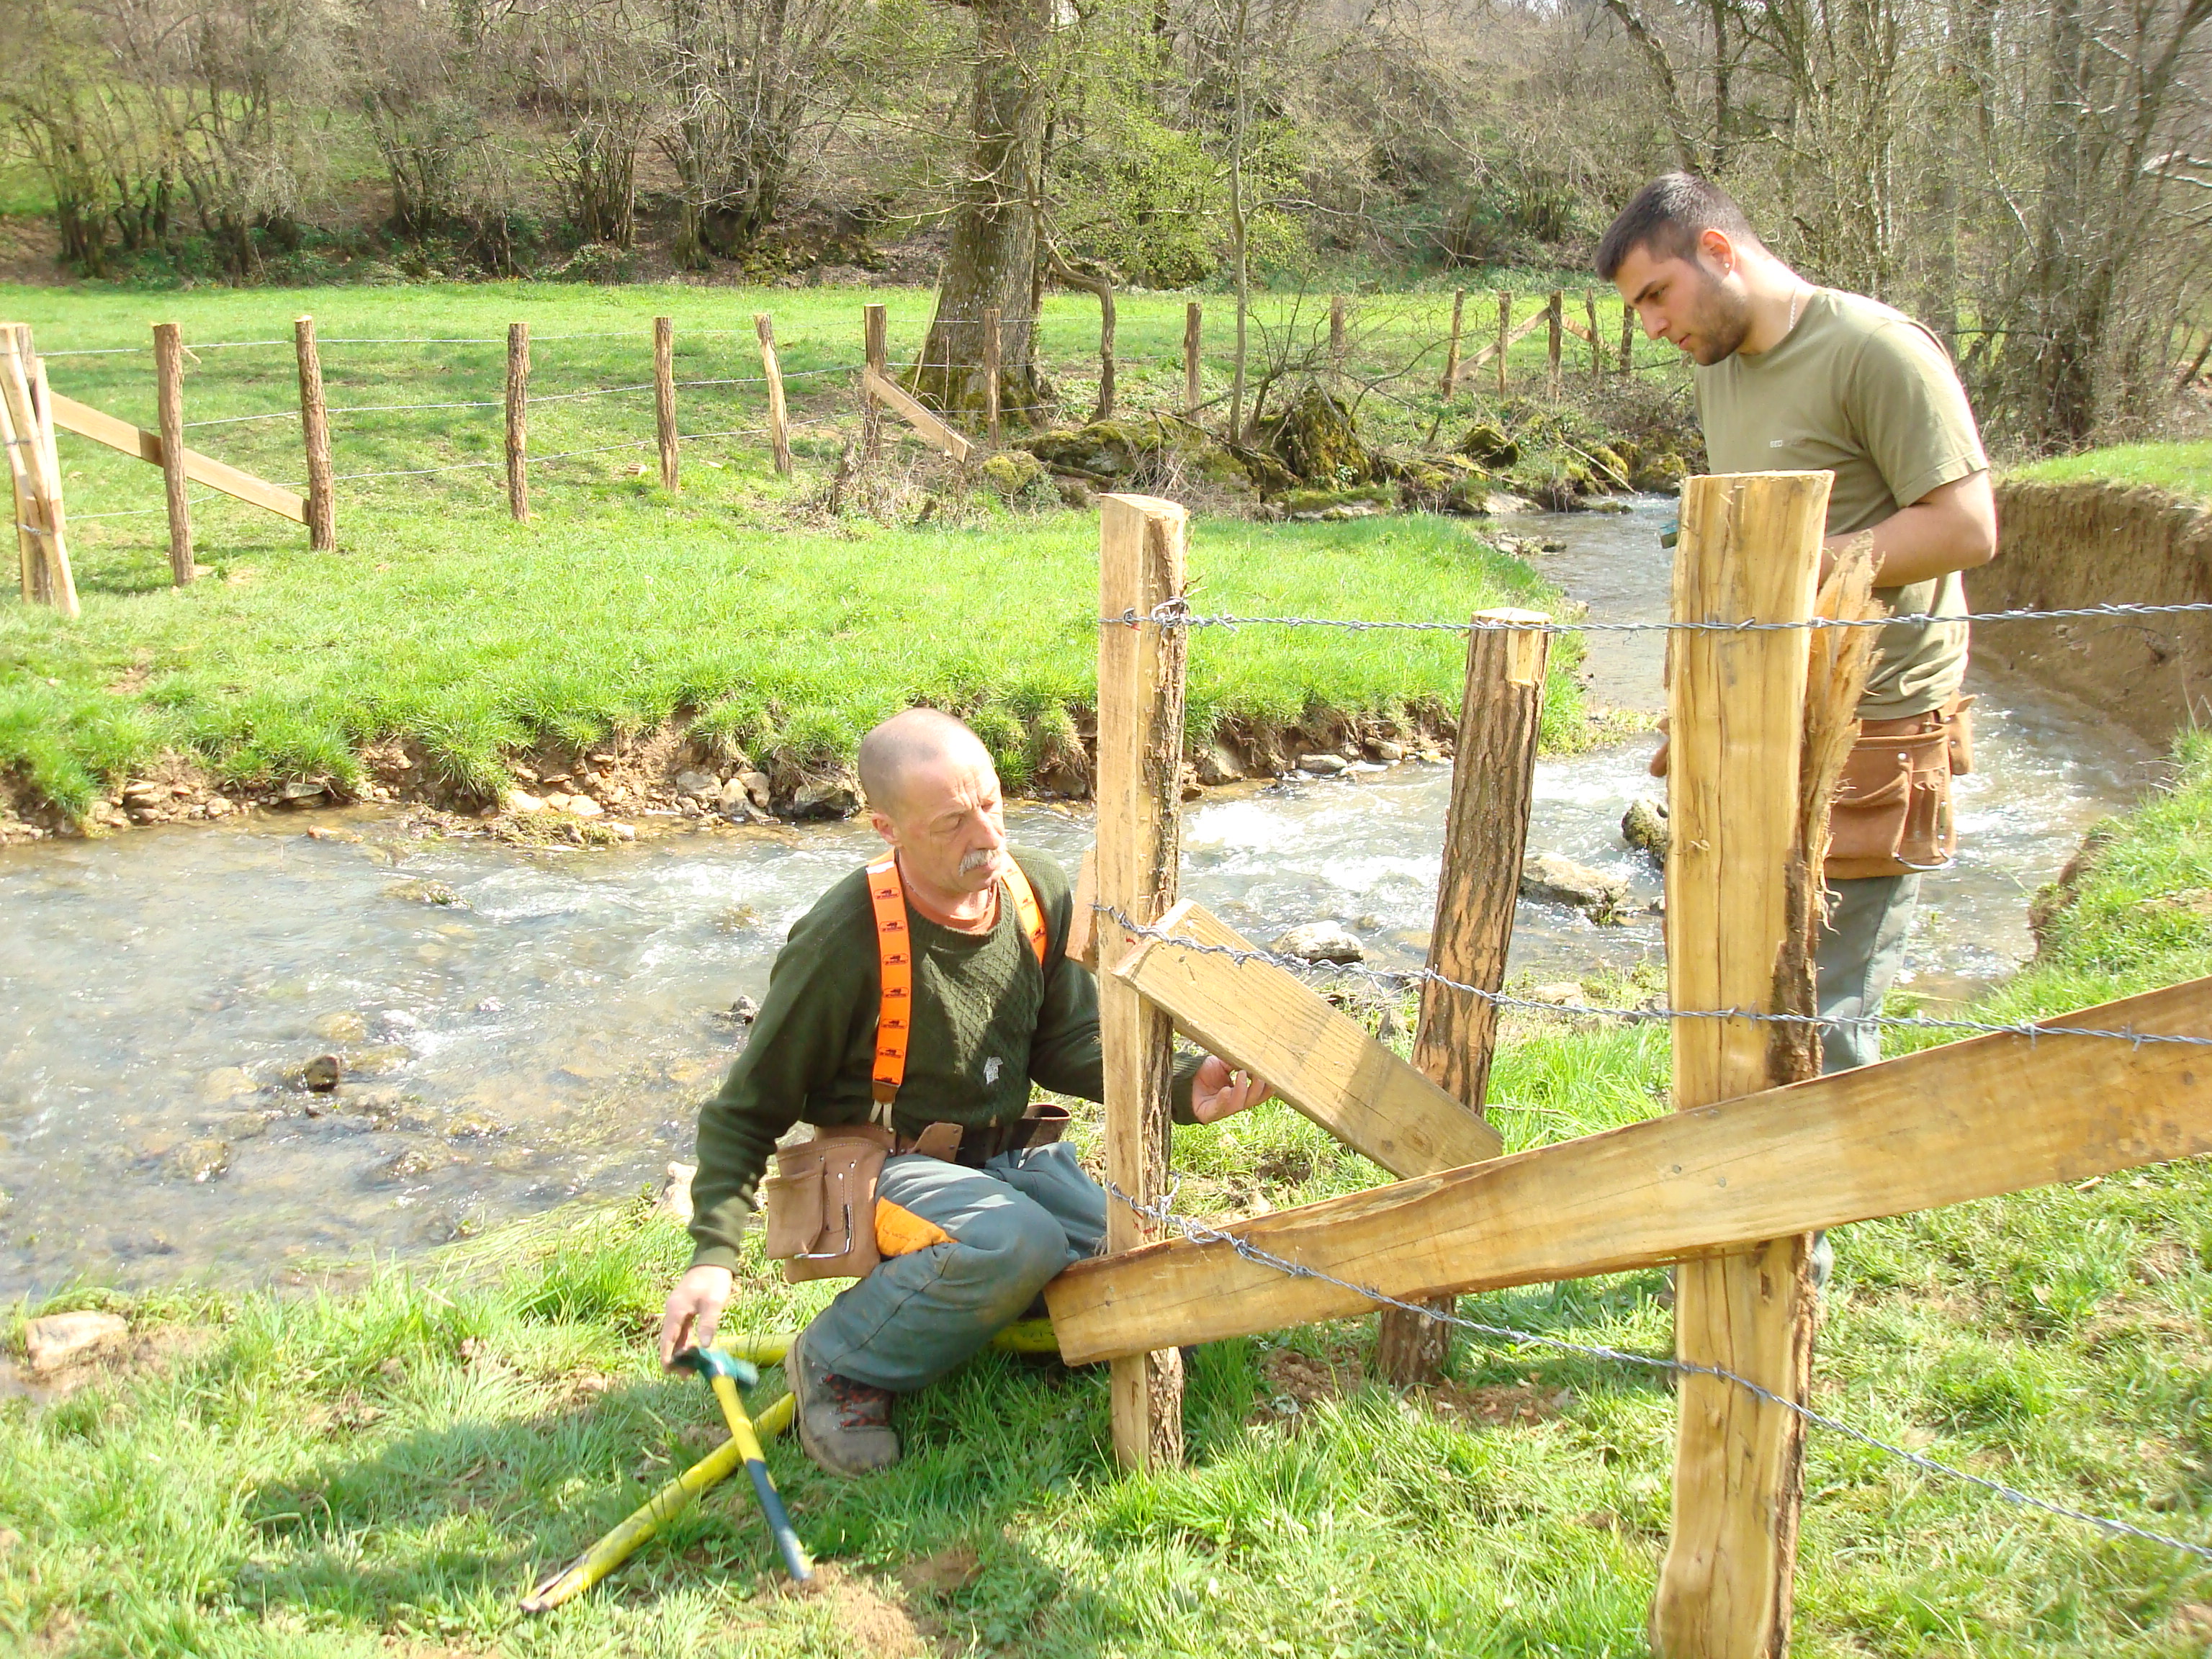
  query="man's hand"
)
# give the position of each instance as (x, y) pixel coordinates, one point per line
(694, 1307)
(1218, 1092)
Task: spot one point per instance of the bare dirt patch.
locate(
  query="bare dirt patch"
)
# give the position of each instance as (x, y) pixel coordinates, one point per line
(1495, 1405)
(874, 1625)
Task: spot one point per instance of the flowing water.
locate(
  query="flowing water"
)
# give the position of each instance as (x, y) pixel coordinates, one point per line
(520, 1027)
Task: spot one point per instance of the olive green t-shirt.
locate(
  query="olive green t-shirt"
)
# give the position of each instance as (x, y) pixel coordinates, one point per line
(1866, 393)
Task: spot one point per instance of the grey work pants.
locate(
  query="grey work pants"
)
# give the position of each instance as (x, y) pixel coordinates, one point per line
(1861, 948)
(1015, 1223)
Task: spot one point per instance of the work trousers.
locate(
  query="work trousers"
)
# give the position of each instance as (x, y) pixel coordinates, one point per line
(1861, 948)
(1015, 1223)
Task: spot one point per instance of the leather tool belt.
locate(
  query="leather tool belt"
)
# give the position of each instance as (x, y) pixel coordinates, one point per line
(1892, 813)
(825, 1218)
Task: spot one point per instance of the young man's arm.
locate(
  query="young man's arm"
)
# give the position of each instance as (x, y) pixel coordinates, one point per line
(1906, 401)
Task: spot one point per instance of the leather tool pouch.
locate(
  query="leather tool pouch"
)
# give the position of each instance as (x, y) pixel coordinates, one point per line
(1892, 812)
(820, 1203)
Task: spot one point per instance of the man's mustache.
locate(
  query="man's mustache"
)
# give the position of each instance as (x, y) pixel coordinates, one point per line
(976, 859)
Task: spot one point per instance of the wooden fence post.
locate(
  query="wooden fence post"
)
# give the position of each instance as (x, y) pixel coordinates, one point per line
(1336, 336)
(34, 468)
(1485, 837)
(991, 361)
(1627, 339)
(1596, 346)
(1555, 315)
(779, 419)
(664, 399)
(875, 349)
(315, 437)
(1449, 384)
(1504, 334)
(518, 416)
(1749, 552)
(1140, 720)
(170, 403)
(1193, 316)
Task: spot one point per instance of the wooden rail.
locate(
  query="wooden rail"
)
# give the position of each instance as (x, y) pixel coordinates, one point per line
(136, 441)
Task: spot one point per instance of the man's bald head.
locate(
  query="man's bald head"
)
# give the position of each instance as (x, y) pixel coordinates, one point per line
(916, 741)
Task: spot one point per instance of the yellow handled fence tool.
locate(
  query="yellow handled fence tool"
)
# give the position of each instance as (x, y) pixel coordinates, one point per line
(724, 1373)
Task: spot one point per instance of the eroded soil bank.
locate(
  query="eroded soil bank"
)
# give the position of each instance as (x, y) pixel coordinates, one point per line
(2069, 545)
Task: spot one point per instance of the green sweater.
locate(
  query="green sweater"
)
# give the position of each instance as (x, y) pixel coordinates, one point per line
(987, 1024)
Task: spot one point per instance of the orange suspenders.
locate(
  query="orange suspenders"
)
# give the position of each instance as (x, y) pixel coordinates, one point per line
(895, 954)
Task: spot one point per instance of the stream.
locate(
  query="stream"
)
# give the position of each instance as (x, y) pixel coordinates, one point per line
(523, 1027)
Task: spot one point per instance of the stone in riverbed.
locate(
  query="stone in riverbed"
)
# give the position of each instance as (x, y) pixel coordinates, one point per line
(1322, 941)
(225, 1083)
(199, 1161)
(581, 807)
(1322, 765)
(1644, 827)
(1562, 881)
(695, 784)
(1389, 752)
(1217, 763)
(520, 800)
(347, 1027)
(321, 1073)
(61, 1339)
(837, 796)
(758, 787)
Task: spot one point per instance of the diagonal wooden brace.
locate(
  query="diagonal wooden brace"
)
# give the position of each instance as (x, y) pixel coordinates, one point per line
(1996, 1114)
(1254, 1015)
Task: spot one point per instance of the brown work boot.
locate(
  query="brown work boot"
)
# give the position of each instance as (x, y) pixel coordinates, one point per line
(845, 1426)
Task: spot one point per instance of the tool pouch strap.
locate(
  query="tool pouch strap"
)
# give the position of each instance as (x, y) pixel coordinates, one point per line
(1892, 812)
(972, 1148)
(820, 1203)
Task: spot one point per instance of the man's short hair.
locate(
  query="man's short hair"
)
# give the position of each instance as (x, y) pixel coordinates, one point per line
(908, 739)
(1666, 218)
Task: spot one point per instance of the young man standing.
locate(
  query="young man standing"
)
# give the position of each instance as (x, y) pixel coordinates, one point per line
(1792, 377)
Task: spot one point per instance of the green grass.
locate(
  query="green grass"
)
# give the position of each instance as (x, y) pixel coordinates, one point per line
(2180, 469)
(739, 601)
(386, 1468)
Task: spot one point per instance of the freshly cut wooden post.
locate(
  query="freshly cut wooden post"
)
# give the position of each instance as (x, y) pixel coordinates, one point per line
(1596, 346)
(1449, 384)
(664, 398)
(991, 361)
(1504, 334)
(1140, 712)
(26, 425)
(169, 407)
(315, 434)
(1627, 339)
(779, 419)
(875, 349)
(518, 416)
(1193, 316)
(1485, 836)
(1750, 550)
(1554, 314)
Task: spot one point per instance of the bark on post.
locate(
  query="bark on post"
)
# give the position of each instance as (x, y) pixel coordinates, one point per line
(315, 435)
(779, 420)
(664, 398)
(1627, 339)
(1140, 720)
(875, 348)
(169, 405)
(1335, 338)
(1449, 384)
(1597, 348)
(1485, 836)
(1749, 552)
(1554, 316)
(518, 414)
(991, 369)
(1504, 335)
(27, 425)
(1193, 318)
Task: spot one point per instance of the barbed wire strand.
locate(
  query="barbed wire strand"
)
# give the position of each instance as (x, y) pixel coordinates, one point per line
(1162, 1215)
(1398, 978)
(1177, 614)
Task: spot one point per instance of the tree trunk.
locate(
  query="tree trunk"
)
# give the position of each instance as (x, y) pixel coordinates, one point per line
(992, 261)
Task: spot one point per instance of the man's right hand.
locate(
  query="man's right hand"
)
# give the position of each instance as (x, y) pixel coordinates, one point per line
(694, 1307)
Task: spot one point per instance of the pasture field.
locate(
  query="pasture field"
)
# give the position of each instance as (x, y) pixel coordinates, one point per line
(2182, 469)
(380, 1461)
(772, 609)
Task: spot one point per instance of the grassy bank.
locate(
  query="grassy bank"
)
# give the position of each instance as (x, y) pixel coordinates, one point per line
(777, 615)
(385, 1468)
(2180, 469)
